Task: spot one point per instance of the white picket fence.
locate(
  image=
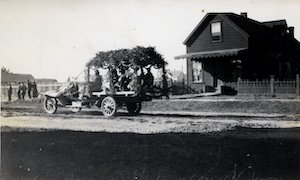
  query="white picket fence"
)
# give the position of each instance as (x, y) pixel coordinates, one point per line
(270, 86)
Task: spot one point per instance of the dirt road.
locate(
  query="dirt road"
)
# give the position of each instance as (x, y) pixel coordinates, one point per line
(32, 116)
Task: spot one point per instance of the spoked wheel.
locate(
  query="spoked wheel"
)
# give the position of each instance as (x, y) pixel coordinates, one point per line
(76, 109)
(50, 105)
(108, 106)
(134, 108)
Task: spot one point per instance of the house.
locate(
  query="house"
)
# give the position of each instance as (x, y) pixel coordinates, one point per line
(177, 76)
(226, 46)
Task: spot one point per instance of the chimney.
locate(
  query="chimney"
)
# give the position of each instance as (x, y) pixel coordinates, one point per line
(244, 14)
(291, 31)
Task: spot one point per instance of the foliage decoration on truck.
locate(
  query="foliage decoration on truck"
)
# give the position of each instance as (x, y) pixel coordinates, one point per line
(138, 56)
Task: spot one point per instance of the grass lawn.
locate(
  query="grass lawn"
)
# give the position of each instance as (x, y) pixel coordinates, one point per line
(237, 154)
(251, 106)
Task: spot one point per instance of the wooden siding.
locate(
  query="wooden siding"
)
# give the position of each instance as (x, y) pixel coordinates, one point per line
(232, 38)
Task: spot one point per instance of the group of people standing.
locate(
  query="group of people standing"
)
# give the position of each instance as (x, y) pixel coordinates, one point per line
(30, 89)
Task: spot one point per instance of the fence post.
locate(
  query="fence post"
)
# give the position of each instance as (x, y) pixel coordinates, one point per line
(272, 84)
(297, 85)
(238, 84)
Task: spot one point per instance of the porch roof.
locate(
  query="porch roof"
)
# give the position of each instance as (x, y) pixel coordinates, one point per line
(210, 54)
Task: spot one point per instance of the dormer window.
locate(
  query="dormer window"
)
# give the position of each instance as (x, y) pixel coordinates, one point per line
(215, 29)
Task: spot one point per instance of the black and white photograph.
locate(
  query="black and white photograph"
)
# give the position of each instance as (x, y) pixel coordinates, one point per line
(150, 89)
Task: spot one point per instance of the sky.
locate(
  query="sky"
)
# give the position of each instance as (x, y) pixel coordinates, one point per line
(56, 38)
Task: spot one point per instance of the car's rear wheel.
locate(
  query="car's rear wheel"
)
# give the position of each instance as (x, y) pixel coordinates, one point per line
(50, 105)
(109, 106)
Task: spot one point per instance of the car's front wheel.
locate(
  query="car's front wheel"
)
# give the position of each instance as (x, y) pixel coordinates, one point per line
(109, 106)
(50, 105)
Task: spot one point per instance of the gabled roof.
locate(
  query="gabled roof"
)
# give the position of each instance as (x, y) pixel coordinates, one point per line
(271, 24)
(199, 28)
(11, 77)
(251, 27)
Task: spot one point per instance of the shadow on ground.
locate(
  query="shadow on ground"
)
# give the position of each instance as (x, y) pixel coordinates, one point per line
(237, 154)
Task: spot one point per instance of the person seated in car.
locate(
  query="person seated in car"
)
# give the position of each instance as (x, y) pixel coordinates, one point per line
(72, 90)
(108, 85)
(133, 84)
(114, 79)
(124, 80)
(75, 90)
(96, 86)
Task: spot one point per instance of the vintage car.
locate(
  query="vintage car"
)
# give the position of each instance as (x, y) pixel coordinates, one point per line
(124, 83)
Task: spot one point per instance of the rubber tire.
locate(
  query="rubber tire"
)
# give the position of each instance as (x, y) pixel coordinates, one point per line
(54, 104)
(109, 106)
(134, 108)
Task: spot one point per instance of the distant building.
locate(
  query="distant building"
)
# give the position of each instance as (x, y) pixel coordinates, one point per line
(226, 46)
(45, 81)
(7, 78)
(43, 85)
(177, 76)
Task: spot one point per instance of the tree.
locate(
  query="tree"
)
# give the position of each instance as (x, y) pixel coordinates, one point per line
(5, 70)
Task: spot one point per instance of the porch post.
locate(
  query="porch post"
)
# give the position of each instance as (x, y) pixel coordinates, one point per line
(187, 72)
(297, 85)
(272, 84)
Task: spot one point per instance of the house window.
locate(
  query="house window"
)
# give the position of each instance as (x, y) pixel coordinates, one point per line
(215, 28)
(197, 71)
